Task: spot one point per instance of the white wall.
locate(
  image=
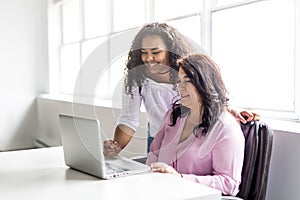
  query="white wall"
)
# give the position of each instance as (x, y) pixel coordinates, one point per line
(23, 61)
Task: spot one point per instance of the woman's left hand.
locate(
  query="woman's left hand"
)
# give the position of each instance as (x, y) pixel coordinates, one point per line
(164, 168)
(246, 116)
(243, 116)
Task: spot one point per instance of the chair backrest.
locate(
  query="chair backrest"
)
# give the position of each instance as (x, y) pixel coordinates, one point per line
(258, 148)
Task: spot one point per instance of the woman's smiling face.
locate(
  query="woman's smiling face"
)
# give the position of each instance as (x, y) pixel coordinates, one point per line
(189, 95)
(155, 55)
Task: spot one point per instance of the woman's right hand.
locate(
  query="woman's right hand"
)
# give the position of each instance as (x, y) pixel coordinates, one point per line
(111, 148)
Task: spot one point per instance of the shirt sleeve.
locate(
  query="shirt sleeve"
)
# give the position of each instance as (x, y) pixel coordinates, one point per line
(130, 113)
(227, 157)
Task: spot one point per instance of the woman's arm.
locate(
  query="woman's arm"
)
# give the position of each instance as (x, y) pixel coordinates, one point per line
(227, 163)
(243, 116)
(122, 137)
(127, 123)
(225, 159)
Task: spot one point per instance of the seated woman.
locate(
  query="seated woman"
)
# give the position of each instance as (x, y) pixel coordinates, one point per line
(199, 139)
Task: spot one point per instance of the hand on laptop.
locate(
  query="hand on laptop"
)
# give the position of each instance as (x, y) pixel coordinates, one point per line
(111, 148)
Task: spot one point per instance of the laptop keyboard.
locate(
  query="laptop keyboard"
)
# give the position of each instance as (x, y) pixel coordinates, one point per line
(110, 169)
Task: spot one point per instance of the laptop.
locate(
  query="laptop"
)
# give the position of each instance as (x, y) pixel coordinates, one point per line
(82, 146)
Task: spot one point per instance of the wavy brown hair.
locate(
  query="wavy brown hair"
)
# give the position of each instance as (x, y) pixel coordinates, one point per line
(205, 75)
(177, 47)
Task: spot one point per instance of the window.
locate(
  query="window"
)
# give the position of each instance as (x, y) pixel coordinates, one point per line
(132, 12)
(184, 26)
(71, 22)
(95, 18)
(88, 26)
(70, 59)
(255, 43)
(169, 9)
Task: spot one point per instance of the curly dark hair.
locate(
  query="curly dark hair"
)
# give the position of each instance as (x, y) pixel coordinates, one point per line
(177, 46)
(205, 75)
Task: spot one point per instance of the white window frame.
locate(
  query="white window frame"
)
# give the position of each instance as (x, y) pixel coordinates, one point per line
(209, 6)
(293, 116)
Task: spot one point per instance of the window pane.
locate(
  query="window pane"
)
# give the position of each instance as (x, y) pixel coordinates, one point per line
(116, 79)
(128, 14)
(111, 83)
(189, 27)
(95, 55)
(70, 65)
(95, 18)
(104, 89)
(256, 53)
(167, 9)
(89, 46)
(71, 21)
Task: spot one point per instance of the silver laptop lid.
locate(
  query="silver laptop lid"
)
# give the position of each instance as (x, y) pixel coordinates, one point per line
(82, 144)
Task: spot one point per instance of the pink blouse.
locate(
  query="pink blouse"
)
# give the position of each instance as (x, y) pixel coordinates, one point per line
(214, 160)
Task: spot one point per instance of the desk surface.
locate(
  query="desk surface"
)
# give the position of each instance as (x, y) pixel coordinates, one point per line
(42, 174)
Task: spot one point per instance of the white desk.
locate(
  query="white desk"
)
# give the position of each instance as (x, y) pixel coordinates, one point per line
(42, 174)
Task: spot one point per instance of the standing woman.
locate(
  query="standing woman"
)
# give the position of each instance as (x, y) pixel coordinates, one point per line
(150, 79)
(151, 74)
(199, 139)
